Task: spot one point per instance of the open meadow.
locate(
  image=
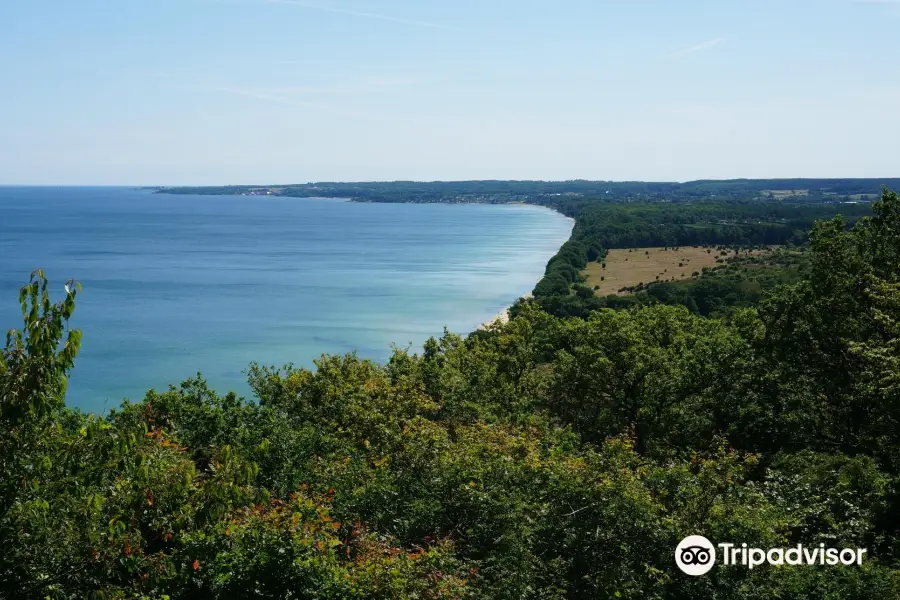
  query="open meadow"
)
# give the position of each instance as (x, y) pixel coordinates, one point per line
(628, 268)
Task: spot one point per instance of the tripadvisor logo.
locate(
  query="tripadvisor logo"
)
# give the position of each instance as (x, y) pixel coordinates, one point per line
(696, 555)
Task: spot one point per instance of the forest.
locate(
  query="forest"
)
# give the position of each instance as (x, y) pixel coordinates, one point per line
(603, 226)
(561, 455)
(547, 192)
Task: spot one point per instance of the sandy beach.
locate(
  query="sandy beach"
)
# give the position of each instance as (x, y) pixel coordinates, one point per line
(502, 316)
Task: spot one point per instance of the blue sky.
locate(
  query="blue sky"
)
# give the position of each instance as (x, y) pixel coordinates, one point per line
(147, 92)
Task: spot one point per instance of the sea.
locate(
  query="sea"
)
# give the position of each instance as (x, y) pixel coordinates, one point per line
(177, 285)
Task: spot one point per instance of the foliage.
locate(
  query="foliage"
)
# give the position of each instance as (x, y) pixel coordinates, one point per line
(741, 282)
(545, 192)
(603, 226)
(548, 457)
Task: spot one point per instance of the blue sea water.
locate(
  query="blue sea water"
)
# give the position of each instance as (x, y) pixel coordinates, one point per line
(174, 285)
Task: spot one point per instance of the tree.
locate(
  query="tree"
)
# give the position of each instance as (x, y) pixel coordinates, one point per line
(33, 366)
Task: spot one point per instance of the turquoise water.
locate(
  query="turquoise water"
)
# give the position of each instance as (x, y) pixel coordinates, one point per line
(174, 285)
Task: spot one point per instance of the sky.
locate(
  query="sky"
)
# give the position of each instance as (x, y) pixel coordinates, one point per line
(214, 92)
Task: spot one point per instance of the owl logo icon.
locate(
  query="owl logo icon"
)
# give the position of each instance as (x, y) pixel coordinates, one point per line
(695, 555)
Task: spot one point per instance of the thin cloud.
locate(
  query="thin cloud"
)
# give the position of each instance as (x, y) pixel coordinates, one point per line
(366, 15)
(249, 94)
(307, 61)
(258, 95)
(354, 86)
(702, 47)
(283, 100)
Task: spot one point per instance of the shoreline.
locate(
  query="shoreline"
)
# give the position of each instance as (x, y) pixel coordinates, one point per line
(502, 316)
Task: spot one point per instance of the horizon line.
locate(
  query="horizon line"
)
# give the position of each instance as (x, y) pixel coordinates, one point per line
(387, 181)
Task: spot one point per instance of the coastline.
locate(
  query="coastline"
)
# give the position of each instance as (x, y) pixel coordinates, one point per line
(502, 316)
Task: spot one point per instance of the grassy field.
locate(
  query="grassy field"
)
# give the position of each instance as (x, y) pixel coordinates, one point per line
(626, 268)
(782, 194)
